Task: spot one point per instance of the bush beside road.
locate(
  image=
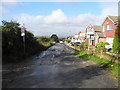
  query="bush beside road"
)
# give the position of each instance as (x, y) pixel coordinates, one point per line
(13, 49)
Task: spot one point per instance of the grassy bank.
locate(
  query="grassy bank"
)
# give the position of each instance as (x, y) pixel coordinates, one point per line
(111, 66)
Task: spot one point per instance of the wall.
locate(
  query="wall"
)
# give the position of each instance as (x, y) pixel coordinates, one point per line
(110, 33)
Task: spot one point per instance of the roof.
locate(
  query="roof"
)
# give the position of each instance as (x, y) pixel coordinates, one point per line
(97, 28)
(112, 18)
(79, 32)
(101, 35)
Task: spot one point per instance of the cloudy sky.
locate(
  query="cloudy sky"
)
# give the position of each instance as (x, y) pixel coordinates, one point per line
(61, 18)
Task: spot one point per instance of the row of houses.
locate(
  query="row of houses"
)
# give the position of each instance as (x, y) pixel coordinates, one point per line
(98, 33)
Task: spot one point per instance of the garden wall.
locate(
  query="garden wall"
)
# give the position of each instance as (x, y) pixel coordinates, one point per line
(101, 52)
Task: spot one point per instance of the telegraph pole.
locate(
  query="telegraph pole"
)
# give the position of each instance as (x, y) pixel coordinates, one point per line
(89, 43)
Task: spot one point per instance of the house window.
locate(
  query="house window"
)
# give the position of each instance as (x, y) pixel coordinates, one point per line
(110, 27)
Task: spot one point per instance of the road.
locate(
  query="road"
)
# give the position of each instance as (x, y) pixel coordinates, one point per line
(57, 67)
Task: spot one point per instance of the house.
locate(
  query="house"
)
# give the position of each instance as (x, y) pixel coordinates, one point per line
(79, 37)
(109, 26)
(99, 36)
(102, 33)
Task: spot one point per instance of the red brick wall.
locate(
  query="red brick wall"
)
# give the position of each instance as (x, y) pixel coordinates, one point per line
(111, 32)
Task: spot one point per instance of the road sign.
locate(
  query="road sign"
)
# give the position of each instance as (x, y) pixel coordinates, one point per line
(90, 29)
(23, 35)
(22, 31)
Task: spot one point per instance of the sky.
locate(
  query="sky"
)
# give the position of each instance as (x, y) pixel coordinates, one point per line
(61, 18)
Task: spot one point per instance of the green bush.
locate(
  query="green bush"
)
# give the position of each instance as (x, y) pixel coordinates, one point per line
(68, 41)
(102, 44)
(83, 46)
(12, 43)
(116, 41)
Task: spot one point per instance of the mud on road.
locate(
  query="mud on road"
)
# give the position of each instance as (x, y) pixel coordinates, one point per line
(56, 67)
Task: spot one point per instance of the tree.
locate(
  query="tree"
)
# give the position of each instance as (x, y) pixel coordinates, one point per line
(12, 42)
(116, 41)
(54, 37)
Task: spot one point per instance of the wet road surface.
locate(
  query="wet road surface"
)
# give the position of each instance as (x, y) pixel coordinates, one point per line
(56, 67)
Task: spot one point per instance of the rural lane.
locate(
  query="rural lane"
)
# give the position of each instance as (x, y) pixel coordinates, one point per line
(56, 67)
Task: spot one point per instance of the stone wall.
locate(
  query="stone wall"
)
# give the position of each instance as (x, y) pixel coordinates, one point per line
(101, 52)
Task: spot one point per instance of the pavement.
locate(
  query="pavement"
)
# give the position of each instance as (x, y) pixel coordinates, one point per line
(57, 67)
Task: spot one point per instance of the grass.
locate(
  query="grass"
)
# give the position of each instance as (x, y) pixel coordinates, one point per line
(112, 67)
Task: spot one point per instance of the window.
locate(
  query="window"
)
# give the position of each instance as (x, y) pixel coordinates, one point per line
(110, 27)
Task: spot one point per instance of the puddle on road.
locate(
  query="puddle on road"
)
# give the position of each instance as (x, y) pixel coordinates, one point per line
(67, 63)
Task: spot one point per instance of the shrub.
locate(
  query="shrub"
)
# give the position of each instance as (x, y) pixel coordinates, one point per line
(102, 44)
(116, 41)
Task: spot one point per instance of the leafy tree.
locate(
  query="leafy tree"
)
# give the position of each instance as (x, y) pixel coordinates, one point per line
(11, 38)
(54, 37)
(116, 41)
(12, 42)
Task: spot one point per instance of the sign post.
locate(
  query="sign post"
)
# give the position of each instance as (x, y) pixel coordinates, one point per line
(23, 35)
(89, 33)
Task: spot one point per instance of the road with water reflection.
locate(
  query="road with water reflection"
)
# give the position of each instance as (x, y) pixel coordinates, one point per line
(56, 67)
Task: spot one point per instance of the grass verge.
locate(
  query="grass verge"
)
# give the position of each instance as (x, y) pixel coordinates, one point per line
(111, 66)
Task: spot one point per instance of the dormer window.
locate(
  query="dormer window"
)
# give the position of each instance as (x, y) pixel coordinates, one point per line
(110, 27)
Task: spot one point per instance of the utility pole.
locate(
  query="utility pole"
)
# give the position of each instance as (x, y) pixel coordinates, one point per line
(88, 43)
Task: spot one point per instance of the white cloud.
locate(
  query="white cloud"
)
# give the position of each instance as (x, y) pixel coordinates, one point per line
(85, 19)
(57, 16)
(56, 22)
(61, 24)
(110, 10)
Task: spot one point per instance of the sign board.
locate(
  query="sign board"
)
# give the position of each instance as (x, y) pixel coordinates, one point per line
(22, 31)
(90, 29)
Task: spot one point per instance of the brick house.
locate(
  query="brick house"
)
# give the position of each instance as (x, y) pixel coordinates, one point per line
(109, 26)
